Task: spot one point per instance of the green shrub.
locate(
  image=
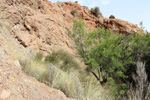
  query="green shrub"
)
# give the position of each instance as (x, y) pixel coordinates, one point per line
(76, 1)
(73, 12)
(85, 6)
(96, 11)
(112, 17)
(63, 59)
(101, 51)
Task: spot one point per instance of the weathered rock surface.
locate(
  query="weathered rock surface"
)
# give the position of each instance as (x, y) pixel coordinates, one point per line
(15, 85)
(41, 25)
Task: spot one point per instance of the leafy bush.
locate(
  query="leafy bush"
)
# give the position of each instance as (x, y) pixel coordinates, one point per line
(101, 46)
(96, 11)
(76, 1)
(63, 59)
(73, 12)
(112, 17)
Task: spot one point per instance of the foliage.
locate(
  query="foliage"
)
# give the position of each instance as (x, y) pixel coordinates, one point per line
(54, 77)
(38, 57)
(36, 67)
(112, 17)
(141, 91)
(73, 12)
(85, 6)
(141, 25)
(67, 82)
(111, 57)
(94, 91)
(79, 32)
(96, 11)
(141, 82)
(63, 59)
(143, 30)
(76, 1)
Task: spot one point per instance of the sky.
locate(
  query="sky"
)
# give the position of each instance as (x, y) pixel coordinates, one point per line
(133, 11)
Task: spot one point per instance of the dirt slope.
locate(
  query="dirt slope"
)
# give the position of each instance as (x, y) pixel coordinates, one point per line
(14, 84)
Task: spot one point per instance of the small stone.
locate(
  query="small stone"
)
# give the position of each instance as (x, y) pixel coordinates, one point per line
(17, 63)
(5, 94)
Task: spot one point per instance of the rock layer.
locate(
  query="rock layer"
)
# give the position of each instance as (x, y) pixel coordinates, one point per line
(41, 25)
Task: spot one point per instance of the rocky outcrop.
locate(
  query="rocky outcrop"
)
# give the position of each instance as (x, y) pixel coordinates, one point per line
(121, 26)
(14, 84)
(41, 25)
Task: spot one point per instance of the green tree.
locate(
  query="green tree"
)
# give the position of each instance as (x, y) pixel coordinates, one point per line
(106, 54)
(111, 17)
(111, 58)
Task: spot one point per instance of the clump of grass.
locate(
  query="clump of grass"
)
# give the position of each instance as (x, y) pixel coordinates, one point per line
(68, 82)
(63, 59)
(94, 91)
(38, 57)
(53, 76)
(36, 67)
(73, 12)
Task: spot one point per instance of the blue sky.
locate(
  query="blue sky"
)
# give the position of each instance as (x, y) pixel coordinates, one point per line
(133, 11)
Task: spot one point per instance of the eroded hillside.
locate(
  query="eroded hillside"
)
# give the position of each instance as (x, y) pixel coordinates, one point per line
(39, 25)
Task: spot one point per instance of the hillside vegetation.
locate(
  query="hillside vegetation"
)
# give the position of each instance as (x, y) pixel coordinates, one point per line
(116, 60)
(47, 55)
(64, 74)
(117, 66)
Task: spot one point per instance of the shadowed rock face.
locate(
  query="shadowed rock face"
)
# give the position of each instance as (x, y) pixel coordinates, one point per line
(40, 25)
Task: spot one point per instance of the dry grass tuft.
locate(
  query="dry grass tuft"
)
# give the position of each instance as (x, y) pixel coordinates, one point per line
(68, 82)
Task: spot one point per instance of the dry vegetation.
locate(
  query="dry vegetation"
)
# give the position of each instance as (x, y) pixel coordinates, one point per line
(69, 82)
